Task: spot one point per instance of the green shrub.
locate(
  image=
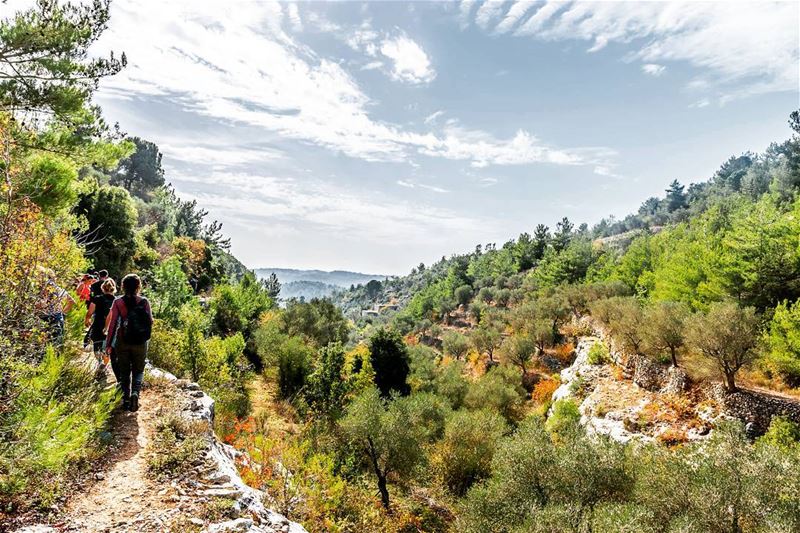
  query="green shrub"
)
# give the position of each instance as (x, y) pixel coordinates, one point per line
(54, 423)
(499, 390)
(782, 433)
(598, 354)
(163, 351)
(464, 455)
(783, 339)
(565, 417)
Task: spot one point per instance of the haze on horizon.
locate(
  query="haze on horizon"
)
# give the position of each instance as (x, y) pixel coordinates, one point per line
(372, 136)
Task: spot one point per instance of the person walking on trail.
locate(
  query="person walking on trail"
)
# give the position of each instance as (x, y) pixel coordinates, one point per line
(97, 287)
(96, 320)
(129, 325)
(54, 304)
(84, 288)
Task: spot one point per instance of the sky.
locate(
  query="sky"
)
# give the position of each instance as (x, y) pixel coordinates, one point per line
(373, 136)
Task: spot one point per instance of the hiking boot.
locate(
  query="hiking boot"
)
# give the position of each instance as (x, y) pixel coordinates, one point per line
(126, 404)
(134, 402)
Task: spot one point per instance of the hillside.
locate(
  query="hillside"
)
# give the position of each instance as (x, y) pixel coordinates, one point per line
(337, 278)
(642, 375)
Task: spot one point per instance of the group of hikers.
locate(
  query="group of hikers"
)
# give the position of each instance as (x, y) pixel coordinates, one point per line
(118, 328)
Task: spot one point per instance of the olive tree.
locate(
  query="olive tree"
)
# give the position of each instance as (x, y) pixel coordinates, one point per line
(665, 327)
(728, 336)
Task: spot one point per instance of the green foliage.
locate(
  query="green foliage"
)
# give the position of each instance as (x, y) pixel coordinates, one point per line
(390, 361)
(237, 307)
(464, 455)
(499, 390)
(564, 418)
(782, 433)
(783, 339)
(112, 218)
(294, 360)
(518, 350)
(598, 354)
(163, 348)
(319, 321)
(327, 387)
(727, 336)
(455, 344)
(422, 368)
(665, 327)
(170, 290)
(388, 434)
(463, 294)
(449, 383)
(141, 172)
(53, 424)
(49, 183)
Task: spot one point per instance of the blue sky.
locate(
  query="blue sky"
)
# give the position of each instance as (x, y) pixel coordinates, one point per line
(373, 136)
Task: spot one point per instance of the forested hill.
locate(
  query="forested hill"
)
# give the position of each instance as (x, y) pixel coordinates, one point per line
(571, 253)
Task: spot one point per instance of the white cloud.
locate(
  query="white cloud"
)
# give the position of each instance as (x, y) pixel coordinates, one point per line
(743, 48)
(464, 12)
(488, 12)
(606, 170)
(411, 63)
(653, 69)
(515, 13)
(294, 16)
(433, 116)
(414, 185)
(238, 65)
(482, 149)
(373, 65)
(243, 197)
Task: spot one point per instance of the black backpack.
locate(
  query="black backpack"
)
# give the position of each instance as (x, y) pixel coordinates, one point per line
(137, 326)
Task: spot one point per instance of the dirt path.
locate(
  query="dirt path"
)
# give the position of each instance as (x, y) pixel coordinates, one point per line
(123, 498)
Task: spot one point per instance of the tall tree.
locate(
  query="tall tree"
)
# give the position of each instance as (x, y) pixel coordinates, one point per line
(676, 198)
(141, 172)
(390, 361)
(563, 234)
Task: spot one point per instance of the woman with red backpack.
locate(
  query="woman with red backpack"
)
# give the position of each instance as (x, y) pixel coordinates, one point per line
(130, 323)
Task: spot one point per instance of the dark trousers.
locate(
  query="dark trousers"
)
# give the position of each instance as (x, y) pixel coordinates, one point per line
(129, 367)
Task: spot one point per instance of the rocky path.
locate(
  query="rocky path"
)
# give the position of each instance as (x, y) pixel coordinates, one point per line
(123, 498)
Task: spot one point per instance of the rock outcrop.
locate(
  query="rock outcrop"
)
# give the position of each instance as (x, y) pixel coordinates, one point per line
(249, 501)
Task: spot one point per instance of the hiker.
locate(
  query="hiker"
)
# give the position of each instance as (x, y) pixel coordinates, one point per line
(96, 318)
(84, 288)
(129, 325)
(97, 286)
(54, 304)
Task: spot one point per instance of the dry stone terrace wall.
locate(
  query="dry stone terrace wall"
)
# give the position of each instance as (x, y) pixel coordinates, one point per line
(200, 406)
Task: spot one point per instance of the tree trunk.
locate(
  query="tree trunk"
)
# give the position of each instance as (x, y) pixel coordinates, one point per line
(674, 358)
(384, 491)
(730, 383)
(380, 475)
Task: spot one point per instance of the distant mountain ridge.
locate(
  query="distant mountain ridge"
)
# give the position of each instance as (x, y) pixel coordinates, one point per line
(297, 283)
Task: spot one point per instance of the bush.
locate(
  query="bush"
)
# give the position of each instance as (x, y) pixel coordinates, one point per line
(499, 390)
(163, 351)
(54, 423)
(564, 418)
(390, 361)
(782, 433)
(450, 383)
(598, 354)
(464, 455)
